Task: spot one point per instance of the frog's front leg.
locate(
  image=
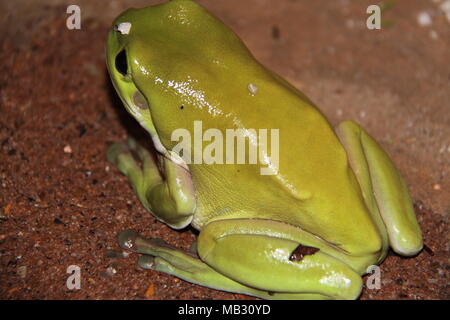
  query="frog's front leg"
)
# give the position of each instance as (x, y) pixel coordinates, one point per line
(170, 198)
(254, 257)
(383, 188)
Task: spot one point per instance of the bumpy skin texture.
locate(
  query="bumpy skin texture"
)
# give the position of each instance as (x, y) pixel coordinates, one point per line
(174, 64)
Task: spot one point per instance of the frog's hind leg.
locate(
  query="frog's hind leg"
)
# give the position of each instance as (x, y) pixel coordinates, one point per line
(384, 190)
(259, 257)
(169, 196)
(159, 256)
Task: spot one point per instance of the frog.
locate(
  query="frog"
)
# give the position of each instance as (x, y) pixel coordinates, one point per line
(330, 209)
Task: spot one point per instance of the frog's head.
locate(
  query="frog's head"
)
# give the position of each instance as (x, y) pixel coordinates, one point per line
(159, 59)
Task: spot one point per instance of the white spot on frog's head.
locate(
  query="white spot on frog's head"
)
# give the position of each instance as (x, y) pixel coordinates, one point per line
(253, 89)
(123, 28)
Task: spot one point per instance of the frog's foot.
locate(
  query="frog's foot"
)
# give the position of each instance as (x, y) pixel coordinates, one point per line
(169, 196)
(158, 255)
(384, 191)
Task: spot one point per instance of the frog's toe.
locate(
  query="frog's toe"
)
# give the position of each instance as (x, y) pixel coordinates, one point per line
(139, 150)
(127, 239)
(150, 248)
(115, 150)
(131, 150)
(160, 256)
(130, 240)
(132, 143)
(124, 159)
(146, 262)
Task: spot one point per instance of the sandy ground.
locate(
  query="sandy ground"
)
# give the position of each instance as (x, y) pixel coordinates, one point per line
(62, 204)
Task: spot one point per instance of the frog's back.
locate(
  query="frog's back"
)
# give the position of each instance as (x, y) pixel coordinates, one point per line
(314, 186)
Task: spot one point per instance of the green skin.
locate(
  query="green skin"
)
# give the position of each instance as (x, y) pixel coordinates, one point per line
(336, 190)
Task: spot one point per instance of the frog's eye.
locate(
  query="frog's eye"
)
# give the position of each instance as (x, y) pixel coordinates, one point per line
(121, 62)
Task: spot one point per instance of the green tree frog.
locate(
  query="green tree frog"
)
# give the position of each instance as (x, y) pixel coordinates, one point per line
(332, 208)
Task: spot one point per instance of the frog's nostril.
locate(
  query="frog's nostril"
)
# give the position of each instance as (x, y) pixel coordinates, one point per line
(121, 62)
